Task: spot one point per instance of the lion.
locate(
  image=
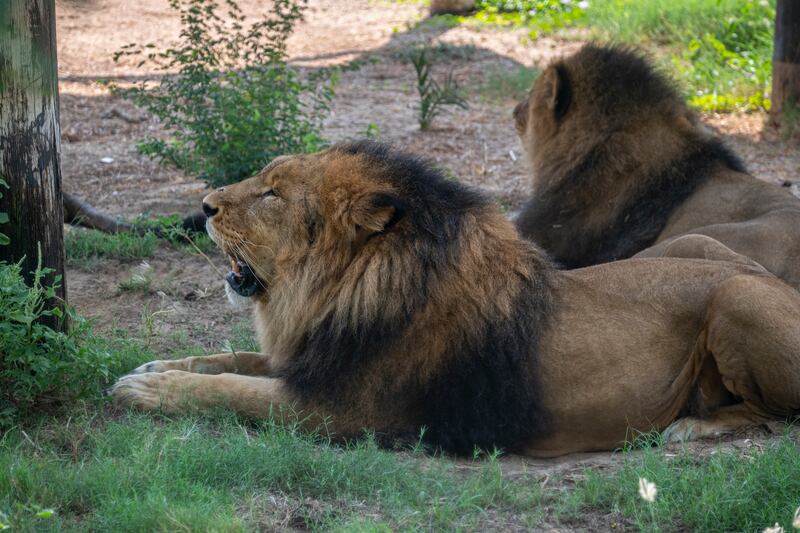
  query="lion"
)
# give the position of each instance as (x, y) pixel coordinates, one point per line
(389, 298)
(622, 167)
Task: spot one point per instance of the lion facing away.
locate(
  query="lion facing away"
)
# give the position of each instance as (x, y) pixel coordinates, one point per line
(621, 164)
(389, 298)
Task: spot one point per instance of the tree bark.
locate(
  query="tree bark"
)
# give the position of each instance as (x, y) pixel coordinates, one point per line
(30, 140)
(786, 58)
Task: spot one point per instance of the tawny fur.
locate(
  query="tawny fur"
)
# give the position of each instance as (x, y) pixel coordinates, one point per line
(395, 300)
(620, 164)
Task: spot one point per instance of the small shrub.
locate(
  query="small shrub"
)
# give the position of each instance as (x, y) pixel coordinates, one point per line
(235, 103)
(433, 97)
(140, 280)
(39, 365)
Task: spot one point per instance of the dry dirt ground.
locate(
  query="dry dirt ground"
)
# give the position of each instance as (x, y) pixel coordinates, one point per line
(478, 145)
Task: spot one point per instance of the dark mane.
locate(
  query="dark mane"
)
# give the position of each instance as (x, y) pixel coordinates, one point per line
(555, 217)
(619, 79)
(484, 391)
(616, 87)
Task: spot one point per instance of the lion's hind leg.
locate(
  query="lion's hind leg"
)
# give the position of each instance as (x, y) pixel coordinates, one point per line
(753, 333)
(176, 391)
(697, 246)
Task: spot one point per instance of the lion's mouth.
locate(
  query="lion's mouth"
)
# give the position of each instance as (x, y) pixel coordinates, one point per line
(242, 279)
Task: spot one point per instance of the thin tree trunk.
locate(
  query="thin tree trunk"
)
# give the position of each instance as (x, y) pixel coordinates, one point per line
(30, 138)
(786, 58)
(453, 7)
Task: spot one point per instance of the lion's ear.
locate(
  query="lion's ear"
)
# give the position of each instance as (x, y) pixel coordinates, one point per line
(377, 212)
(554, 91)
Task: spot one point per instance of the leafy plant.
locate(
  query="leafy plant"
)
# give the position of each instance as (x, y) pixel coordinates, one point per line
(39, 365)
(720, 50)
(235, 103)
(731, 68)
(433, 97)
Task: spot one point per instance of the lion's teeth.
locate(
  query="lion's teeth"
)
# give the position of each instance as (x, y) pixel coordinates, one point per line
(234, 265)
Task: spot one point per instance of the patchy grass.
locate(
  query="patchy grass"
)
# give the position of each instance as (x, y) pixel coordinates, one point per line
(727, 491)
(85, 246)
(507, 84)
(143, 473)
(439, 51)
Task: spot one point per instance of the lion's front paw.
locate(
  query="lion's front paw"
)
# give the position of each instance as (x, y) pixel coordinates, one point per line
(681, 430)
(142, 391)
(152, 366)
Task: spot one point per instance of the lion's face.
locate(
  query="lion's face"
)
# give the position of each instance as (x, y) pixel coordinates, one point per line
(296, 206)
(256, 220)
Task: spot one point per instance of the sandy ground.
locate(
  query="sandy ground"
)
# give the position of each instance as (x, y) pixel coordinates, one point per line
(477, 144)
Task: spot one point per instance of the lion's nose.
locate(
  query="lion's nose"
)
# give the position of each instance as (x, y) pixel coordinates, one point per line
(209, 211)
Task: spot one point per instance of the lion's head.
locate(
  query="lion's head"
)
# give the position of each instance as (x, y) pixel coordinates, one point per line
(613, 149)
(581, 100)
(277, 217)
(379, 278)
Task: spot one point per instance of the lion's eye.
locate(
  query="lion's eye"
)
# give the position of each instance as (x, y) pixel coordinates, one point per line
(269, 194)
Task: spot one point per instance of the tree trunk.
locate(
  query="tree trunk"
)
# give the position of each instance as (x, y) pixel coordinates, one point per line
(30, 143)
(786, 58)
(452, 7)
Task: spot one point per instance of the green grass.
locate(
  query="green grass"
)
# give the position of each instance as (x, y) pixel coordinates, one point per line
(728, 491)
(720, 51)
(144, 473)
(84, 246)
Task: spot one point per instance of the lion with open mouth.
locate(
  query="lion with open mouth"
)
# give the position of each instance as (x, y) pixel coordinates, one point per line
(389, 298)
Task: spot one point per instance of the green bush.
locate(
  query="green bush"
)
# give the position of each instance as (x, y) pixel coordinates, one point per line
(235, 103)
(40, 365)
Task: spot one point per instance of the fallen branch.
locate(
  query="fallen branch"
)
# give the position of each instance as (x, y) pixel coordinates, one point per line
(79, 213)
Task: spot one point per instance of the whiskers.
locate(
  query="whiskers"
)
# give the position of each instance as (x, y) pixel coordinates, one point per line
(239, 247)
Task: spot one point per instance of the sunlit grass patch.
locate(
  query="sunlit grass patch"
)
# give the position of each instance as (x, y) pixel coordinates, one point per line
(719, 50)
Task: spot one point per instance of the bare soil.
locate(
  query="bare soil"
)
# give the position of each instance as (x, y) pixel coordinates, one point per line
(186, 302)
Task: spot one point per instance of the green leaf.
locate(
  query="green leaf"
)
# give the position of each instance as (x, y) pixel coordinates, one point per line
(3, 218)
(45, 513)
(4, 240)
